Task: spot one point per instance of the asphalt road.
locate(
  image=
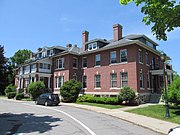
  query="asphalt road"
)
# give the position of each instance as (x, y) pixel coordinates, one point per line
(26, 118)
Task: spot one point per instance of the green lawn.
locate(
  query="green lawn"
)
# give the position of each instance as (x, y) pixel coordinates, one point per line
(107, 106)
(158, 111)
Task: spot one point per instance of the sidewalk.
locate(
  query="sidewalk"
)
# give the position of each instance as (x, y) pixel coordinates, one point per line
(156, 125)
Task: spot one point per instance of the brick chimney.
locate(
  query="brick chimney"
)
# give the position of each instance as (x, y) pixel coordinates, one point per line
(85, 36)
(117, 28)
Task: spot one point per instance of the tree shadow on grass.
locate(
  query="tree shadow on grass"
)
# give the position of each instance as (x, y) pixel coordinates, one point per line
(26, 123)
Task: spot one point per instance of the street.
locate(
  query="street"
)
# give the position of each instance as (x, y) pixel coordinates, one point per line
(26, 118)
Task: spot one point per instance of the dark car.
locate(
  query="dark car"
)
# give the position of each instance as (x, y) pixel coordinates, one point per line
(48, 99)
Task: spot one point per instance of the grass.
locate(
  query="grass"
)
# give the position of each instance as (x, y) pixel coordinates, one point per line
(3, 96)
(26, 99)
(107, 106)
(158, 111)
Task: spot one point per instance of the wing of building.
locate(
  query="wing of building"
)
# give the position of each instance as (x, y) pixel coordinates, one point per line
(103, 66)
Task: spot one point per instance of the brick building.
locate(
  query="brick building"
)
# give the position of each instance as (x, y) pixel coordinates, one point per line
(103, 66)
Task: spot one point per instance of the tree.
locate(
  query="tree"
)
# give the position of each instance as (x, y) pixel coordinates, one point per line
(20, 56)
(174, 91)
(36, 89)
(164, 14)
(3, 69)
(70, 90)
(127, 94)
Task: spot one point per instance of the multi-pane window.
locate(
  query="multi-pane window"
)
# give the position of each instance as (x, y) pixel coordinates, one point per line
(97, 60)
(75, 62)
(124, 79)
(59, 81)
(97, 81)
(123, 55)
(141, 79)
(92, 46)
(140, 56)
(60, 63)
(113, 80)
(148, 80)
(44, 66)
(147, 59)
(84, 62)
(113, 57)
(84, 78)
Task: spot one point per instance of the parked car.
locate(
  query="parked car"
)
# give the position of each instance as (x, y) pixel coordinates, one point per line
(174, 131)
(47, 99)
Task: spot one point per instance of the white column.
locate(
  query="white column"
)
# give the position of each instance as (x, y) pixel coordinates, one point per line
(19, 82)
(49, 82)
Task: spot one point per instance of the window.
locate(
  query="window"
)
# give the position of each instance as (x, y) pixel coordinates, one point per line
(33, 66)
(113, 80)
(113, 57)
(75, 77)
(44, 66)
(60, 63)
(148, 80)
(123, 55)
(141, 79)
(59, 81)
(97, 60)
(97, 81)
(124, 79)
(92, 46)
(84, 78)
(147, 59)
(140, 56)
(84, 62)
(44, 54)
(75, 62)
(149, 43)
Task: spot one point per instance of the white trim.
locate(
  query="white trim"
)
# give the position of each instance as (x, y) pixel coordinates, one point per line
(114, 88)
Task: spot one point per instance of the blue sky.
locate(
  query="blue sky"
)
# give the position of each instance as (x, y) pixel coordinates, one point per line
(29, 24)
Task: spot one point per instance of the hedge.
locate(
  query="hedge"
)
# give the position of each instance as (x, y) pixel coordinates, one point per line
(101, 100)
(11, 95)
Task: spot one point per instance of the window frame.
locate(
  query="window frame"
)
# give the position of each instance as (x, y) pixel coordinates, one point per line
(59, 81)
(83, 62)
(122, 79)
(141, 80)
(113, 80)
(126, 55)
(98, 63)
(97, 81)
(84, 81)
(76, 63)
(58, 63)
(113, 59)
(140, 56)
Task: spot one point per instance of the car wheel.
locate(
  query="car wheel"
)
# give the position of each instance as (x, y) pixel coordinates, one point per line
(36, 102)
(46, 103)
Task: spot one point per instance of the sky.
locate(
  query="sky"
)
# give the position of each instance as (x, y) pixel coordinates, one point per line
(30, 24)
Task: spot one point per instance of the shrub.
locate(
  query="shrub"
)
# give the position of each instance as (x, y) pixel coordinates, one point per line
(101, 100)
(10, 88)
(19, 96)
(35, 89)
(11, 95)
(174, 91)
(70, 91)
(127, 94)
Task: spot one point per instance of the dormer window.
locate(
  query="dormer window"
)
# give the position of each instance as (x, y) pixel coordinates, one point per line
(44, 54)
(92, 46)
(149, 44)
